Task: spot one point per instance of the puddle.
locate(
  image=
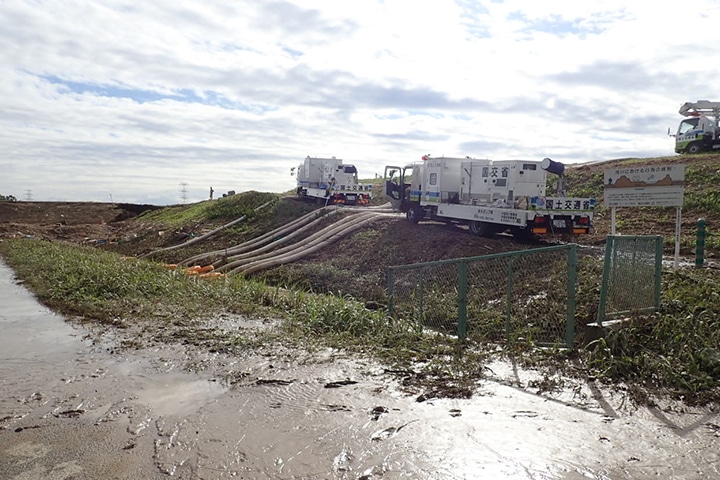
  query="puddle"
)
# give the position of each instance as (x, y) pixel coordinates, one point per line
(34, 341)
(166, 393)
(30, 331)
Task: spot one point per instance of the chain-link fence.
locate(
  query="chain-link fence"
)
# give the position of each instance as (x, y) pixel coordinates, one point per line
(529, 295)
(631, 276)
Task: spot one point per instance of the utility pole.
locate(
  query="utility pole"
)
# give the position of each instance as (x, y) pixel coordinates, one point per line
(183, 192)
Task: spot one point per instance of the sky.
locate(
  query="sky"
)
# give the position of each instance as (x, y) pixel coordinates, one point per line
(155, 102)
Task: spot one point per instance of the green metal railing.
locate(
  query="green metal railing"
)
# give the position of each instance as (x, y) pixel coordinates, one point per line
(524, 295)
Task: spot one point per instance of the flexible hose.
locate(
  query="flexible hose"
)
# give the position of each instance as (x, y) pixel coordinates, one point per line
(310, 245)
(207, 235)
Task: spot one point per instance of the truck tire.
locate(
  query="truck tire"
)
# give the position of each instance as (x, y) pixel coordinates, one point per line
(522, 233)
(482, 229)
(413, 215)
(694, 148)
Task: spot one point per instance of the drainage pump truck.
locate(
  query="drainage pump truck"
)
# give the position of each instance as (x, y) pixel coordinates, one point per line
(490, 196)
(330, 181)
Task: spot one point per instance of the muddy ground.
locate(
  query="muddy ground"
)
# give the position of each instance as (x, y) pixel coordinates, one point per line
(75, 406)
(76, 222)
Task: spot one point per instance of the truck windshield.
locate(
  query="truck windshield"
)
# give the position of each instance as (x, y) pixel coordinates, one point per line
(687, 125)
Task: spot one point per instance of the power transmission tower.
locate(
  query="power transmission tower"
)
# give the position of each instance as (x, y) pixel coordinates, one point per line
(184, 192)
(28, 195)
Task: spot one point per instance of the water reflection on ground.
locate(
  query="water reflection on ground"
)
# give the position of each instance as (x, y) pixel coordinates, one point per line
(74, 406)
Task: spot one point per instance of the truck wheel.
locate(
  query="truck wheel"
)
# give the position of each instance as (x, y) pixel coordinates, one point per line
(413, 215)
(481, 229)
(522, 233)
(694, 148)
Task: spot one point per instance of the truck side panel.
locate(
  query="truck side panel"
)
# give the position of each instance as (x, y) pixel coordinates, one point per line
(504, 194)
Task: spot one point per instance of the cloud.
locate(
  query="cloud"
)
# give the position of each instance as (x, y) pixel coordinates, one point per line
(131, 99)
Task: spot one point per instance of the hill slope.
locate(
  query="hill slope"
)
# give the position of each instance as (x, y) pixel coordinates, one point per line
(139, 229)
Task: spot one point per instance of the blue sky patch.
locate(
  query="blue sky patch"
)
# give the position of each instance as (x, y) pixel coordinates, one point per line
(475, 18)
(114, 91)
(555, 25)
(292, 52)
(183, 95)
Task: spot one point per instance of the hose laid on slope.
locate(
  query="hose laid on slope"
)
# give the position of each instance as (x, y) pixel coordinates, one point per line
(292, 226)
(273, 246)
(252, 256)
(207, 235)
(310, 245)
(217, 257)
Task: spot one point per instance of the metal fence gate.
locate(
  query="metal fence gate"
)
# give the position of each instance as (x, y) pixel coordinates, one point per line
(631, 276)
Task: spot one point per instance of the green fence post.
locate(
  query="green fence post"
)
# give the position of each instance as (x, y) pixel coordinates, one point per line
(572, 278)
(509, 295)
(658, 270)
(421, 296)
(391, 292)
(609, 247)
(462, 300)
(700, 243)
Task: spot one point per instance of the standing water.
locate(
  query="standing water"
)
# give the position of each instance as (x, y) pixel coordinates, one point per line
(72, 406)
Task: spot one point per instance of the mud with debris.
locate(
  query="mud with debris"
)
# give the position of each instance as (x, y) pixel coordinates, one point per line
(75, 407)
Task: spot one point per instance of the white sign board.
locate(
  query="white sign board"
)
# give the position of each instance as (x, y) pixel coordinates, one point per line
(645, 186)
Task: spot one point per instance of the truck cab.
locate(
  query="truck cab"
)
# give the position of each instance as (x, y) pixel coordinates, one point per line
(699, 132)
(331, 181)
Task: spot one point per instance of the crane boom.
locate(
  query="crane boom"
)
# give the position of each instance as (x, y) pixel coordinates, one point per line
(701, 107)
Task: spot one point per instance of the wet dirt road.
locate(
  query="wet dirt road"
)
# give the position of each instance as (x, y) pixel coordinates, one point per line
(75, 407)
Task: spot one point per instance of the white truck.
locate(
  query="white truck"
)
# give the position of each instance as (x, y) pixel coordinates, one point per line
(332, 182)
(490, 196)
(699, 132)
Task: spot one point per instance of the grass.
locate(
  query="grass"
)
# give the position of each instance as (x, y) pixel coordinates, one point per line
(581, 185)
(194, 220)
(93, 285)
(222, 209)
(701, 200)
(675, 352)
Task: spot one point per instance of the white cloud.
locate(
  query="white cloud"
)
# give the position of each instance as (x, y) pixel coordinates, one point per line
(131, 99)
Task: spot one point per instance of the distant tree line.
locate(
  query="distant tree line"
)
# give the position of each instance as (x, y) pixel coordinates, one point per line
(7, 198)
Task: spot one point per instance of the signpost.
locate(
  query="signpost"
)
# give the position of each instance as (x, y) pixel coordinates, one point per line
(646, 186)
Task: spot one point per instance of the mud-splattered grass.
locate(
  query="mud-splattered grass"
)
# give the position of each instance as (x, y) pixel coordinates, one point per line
(164, 305)
(674, 352)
